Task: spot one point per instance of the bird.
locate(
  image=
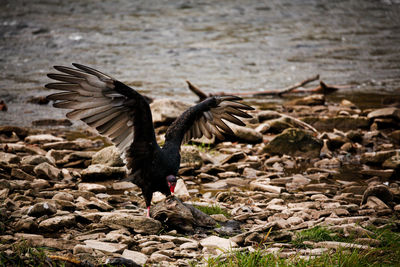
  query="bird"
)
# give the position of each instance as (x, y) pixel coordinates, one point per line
(122, 114)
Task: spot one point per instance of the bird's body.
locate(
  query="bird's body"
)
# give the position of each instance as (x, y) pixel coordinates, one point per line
(124, 116)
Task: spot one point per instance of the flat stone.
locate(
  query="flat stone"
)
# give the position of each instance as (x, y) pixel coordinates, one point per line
(137, 257)
(20, 174)
(63, 196)
(42, 138)
(58, 222)
(216, 185)
(124, 186)
(35, 160)
(265, 187)
(215, 242)
(158, 257)
(390, 112)
(139, 224)
(343, 123)
(92, 187)
(102, 172)
(337, 245)
(105, 246)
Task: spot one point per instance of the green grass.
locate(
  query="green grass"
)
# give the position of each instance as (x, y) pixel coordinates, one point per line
(214, 209)
(386, 254)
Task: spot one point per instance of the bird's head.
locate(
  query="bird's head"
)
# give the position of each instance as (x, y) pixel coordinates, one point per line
(171, 181)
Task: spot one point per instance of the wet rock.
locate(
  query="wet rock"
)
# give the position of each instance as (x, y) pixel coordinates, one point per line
(8, 158)
(42, 138)
(46, 171)
(139, 224)
(102, 172)
(57, 223)
(295, 142)
(108, 156)
(137, 257)
(165, 111)
(95, 188)
(40, 209)
(105, 246)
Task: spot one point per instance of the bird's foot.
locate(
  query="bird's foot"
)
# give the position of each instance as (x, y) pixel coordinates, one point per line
(148, 212)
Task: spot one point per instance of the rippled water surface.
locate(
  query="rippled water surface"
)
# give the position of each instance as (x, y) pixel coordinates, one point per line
(232, 46)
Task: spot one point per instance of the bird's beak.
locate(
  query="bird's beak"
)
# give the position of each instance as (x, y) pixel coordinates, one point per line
(171, 187)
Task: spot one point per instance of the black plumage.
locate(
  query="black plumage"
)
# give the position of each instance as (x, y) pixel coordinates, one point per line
(124, 116)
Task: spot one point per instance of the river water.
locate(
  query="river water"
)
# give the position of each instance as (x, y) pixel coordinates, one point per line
(231, 46)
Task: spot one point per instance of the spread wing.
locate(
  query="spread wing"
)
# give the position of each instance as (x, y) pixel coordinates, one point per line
(112, 108)
(207, 119)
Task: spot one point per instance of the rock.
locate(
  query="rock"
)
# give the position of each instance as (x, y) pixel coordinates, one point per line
(343, 123)
(378, 157)
(95, 188)
(395, 136)
(380, 191)
(78, 144)
(256, 185)
(139, 224)
(9, 130)
(337, 245)
(42, 138)
(391, 112)
(392, 162)
(158, 257)
(333, 163)
(181, 190)
(57, 223)
(8, 158)
(165, 111)
(219, 217)
(108, 156)
(245, 134)
(35, 160)
(375, 204)
(311, 100)
(98, 204)
(26, 225)
(181, 216)
(295, 142)
(190, 156)
(20, 174)
(78, 249)
(102, 172)
(218, 185)
(105, 246)
(124, 186)
(47, 171)
(40, 209)
(136, 257)
(63, 196)
(215, 242)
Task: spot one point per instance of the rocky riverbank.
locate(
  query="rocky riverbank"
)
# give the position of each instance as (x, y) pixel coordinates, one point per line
(305, 164)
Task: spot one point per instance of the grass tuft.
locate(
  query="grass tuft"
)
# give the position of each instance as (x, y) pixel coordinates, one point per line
(214, 209)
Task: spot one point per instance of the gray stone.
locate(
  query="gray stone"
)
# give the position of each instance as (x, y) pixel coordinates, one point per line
(124, 186)
(109, 156)
(215, 242)
(216, 185)
(105, 246)
(137, 257)
(20, 174)
(63, 196)
(35, 160)
(257, 185)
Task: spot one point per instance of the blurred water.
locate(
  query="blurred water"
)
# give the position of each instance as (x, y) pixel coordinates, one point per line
(231, 46)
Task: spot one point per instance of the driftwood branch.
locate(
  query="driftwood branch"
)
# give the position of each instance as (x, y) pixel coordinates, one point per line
(321, 89)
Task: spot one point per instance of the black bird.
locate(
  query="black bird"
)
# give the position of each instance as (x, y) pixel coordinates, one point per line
(123, 115)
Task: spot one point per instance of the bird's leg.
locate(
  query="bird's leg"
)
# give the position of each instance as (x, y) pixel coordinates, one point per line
(148, 211)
